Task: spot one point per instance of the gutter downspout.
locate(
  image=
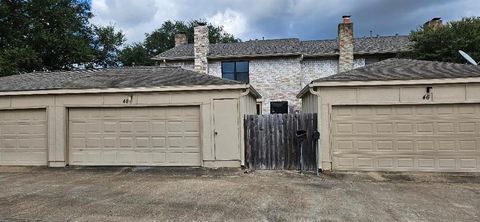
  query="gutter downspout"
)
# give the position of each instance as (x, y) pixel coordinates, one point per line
(319, 127)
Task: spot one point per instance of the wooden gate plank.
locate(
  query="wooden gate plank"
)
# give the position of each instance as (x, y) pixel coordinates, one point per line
(271, 141)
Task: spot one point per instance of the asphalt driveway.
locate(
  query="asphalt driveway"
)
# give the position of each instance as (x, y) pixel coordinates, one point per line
(149, 194)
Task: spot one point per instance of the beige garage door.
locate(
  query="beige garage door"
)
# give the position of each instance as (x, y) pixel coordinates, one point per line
(153, 136)
(23, 137)
(407, 138)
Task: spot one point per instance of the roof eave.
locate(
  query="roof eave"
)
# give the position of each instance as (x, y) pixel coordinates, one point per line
(314, 55)
(304, 90)
(229, 56)
(173, 58)
(396, 82)
(254, 92)
(129, 90)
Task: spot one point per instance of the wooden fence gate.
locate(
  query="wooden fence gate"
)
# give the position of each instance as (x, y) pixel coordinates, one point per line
(272, 144)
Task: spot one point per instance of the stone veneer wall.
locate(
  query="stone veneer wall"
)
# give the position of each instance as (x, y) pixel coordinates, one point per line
(317, 68)
(201, 48)
(276, 79)
(279, 79)
(345, 45)
(215, 68)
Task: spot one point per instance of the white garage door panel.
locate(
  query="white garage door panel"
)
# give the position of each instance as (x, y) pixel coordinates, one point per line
(23, 137)
(164, 136)
(407, 138)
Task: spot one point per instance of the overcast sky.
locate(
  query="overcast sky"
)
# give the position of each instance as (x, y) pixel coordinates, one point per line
(304, 19)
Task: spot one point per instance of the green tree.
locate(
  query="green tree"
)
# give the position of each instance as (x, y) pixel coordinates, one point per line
(60, 32)
(135, 54)
(442, 43)
(163, 39)
(106, 45)
(15, 55)
(53, 35)
(16, 60)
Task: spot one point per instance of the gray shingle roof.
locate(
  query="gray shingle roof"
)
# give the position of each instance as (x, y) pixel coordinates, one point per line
(249, 48)
(279, 47)
(366, 45)
(406, 69)
(109, 78)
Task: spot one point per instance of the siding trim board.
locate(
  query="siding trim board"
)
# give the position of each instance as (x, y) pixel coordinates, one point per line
(426, 82)
(388, 83)
(397, 82)
(133, 90)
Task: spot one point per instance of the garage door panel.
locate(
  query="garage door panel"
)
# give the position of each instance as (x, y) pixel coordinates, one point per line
(386, 163)
(164, 136)
(469, 163)
(23, 137)
(406, 163)
(422, 137)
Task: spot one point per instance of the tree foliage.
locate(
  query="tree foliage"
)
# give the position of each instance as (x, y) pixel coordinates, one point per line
(52, 35)
(163, 39)
(135, 54)
(443, 43)
(57, 35)
(106, 45)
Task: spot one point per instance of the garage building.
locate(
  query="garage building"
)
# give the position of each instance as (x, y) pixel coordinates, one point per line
(151, 116)
(398, 115)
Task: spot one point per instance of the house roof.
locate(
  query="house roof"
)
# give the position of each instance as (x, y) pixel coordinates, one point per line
(405, 69)
(362, 46)
(400, 72)
(286, 47)
(134, 77)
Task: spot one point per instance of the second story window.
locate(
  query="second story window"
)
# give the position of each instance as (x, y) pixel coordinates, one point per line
(235, 70)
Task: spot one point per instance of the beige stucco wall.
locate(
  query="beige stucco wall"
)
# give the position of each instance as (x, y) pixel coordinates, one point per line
(247, 107)
(381, 95)
(57, 115)
(309, 103)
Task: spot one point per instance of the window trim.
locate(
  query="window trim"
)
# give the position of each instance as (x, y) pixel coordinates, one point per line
(258, 107)
(235, 69)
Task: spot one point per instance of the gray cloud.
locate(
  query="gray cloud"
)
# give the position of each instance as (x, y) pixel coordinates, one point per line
(305, 19)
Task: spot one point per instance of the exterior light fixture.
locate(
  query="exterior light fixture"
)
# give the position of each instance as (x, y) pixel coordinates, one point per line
(428, 94)
(128, 99)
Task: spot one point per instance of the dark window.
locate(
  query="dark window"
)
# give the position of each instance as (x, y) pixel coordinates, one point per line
(235, 70)
(279, 107)
(371, 60)
(259, 108)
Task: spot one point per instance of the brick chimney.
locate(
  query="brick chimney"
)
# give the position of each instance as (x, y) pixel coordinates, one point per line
(345, 44)
(434, 24)
(200, 47)
(180, 39)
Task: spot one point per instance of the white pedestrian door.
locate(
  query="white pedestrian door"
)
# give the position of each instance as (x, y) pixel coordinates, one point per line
(226, 129)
